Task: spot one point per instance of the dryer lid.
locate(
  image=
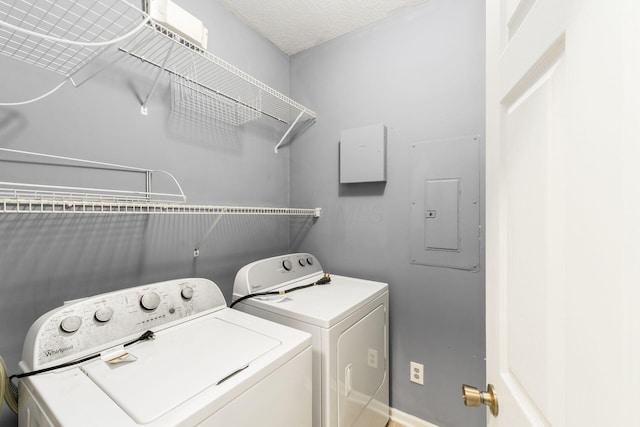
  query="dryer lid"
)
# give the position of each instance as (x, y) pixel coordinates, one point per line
(179, 364)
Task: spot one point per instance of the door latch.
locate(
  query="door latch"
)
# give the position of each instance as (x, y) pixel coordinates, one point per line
(473, 397)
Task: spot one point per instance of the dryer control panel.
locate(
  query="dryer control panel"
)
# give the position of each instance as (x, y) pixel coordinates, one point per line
(93, 324)
(270, 273)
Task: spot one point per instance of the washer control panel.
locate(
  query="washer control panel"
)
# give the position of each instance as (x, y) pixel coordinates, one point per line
(265, 274)
(92, 324)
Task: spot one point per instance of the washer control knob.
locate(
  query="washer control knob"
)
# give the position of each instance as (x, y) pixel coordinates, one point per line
(301, 262)
(310, 260)
(287, 265)
(103, 314)
(71, 324)
(187, 293)
(150, 301)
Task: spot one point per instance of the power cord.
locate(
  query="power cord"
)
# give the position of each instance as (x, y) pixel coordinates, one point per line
(9, 391)
(144, 337)
(322, 281)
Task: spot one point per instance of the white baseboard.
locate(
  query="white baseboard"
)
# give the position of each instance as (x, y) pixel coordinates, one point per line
(408, 420)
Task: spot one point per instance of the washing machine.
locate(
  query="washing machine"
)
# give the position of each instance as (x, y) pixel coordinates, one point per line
(348, 322)
(164, 354)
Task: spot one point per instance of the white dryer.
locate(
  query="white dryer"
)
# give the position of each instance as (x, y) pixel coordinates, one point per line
(165, 354)
(348, 321)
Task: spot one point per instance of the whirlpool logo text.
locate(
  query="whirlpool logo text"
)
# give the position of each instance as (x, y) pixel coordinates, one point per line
(54, 351)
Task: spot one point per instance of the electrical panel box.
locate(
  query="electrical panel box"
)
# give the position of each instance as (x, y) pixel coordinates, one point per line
(363, 154)
(445, 203)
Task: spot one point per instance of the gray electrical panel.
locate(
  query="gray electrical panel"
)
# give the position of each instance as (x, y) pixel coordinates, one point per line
(445, 203)
(363, 154)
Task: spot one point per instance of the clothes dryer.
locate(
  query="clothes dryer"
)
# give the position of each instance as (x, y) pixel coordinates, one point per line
(165, 354)
(348, 321)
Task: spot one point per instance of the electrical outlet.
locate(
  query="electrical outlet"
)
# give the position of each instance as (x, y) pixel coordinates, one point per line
(417, 373)
(372, 359)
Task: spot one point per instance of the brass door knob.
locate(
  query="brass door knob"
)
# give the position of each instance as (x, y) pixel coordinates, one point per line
(474, 397)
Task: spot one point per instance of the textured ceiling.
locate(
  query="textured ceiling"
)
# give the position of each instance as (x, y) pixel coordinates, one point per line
(296, 25)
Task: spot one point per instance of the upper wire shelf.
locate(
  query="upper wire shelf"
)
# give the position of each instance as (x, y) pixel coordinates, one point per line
(156, 45)
(207, 81)
(64, 35)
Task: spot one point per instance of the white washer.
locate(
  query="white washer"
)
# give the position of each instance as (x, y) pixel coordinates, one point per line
(206, 365)
(348, 321)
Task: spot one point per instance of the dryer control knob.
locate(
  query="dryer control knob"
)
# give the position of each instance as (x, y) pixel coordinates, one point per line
(301, 262)
(309, 260)
(287, 265)
(71, 324)
(150, 301)
(187, 293)
(103, 314)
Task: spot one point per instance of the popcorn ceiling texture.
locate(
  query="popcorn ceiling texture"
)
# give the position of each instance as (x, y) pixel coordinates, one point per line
(296, 25)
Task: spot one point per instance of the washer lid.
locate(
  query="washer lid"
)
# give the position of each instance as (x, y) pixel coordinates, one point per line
(322, 305)
(179, 364)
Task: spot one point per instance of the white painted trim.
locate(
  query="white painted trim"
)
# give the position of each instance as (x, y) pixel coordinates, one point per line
(408, 420)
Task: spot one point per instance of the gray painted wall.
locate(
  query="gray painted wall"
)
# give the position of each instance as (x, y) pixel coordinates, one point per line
(47, 259)
(421, 73)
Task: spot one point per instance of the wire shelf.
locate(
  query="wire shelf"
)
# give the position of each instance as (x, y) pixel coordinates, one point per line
(163, 48)
(52, 206)
(64, 35)
(20, 197)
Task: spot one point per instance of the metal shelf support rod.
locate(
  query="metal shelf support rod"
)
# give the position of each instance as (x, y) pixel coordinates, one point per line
(148, 184)
(196, 251)
(143, 109)
(275, 150)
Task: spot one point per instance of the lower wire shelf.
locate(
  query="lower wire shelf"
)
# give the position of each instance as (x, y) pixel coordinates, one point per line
(26, 206)
(138, 198)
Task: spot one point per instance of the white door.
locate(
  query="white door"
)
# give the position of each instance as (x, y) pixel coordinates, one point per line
(563, 212)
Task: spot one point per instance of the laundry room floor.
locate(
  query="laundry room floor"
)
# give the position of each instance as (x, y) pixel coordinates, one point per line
(394, 424)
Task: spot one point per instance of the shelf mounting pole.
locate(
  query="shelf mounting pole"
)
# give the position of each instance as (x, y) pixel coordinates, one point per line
(275, 150)
(196, 251)
(143, 109)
